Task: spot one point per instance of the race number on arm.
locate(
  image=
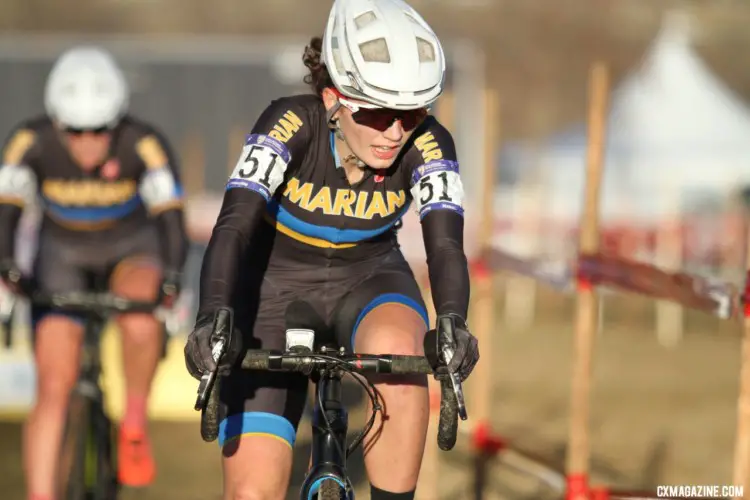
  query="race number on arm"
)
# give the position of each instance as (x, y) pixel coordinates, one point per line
(435, 181)
(437, 185)
(281, 133)
(18, 183)
(261, 165)
(159, 187)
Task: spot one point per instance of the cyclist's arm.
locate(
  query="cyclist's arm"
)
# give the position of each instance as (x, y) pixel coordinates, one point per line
(438, 194)
(259, 173)
(18, 185)
(161, 192)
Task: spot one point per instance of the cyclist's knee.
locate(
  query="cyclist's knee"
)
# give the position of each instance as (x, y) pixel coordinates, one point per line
(391, 328)
(136, 279)
(57, 349)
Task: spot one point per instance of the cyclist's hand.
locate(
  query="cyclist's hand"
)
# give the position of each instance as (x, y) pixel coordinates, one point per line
(11, 277)
(171, 285)
(466, 348)
(198, 350)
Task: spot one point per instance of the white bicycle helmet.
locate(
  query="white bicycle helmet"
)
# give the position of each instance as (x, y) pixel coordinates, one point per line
(383, 52)
(86, 89)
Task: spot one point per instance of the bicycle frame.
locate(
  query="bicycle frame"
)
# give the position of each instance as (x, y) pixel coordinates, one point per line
(91, 366)
(328, 459)
(99, 425)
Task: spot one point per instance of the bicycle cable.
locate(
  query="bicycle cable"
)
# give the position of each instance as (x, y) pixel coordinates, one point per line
(375, 399)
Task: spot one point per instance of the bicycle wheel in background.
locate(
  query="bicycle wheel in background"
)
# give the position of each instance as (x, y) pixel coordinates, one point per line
(105, 485)
(72, 473)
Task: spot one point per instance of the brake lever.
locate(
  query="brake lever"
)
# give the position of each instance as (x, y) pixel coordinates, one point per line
(447, 349)
(223, 326)
(7, 305)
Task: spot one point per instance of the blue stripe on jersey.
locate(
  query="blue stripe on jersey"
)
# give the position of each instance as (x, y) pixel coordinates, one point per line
(92, 214)
(331, 234)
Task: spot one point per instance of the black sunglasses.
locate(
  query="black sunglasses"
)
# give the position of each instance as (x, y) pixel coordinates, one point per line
(81, 131)
(382, 119)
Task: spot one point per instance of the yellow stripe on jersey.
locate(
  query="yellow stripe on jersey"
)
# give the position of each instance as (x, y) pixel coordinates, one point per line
(309, 240)
(151, 152)
(17, 147)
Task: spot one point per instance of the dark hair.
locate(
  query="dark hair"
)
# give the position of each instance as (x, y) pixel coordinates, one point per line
(318, 79)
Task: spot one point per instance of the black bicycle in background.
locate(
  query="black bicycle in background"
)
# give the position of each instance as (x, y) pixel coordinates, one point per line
(326, 366)
(87, 467)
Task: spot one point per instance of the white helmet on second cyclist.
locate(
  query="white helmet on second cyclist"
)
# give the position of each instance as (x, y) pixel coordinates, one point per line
(86, 89)
(383, 52)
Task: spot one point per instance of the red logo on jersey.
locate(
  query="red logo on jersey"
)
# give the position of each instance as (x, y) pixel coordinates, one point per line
(111, 169)
(379, 178)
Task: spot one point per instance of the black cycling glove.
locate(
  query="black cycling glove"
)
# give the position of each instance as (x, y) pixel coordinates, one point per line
(11, 276)
(170, 287)
(465, 347)
(198, 350)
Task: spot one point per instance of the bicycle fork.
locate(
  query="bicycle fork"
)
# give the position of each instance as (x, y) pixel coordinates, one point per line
(330, 426)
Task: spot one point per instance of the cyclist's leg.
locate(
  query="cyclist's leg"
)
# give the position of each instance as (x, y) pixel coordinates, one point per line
(137, 278)
(385, 315)
(57, 343)
(260, 410)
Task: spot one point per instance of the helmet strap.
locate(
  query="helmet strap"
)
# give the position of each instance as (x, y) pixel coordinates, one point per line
(331, 112)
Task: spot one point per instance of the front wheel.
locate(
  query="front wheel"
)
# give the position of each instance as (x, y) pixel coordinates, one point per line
(332, 490)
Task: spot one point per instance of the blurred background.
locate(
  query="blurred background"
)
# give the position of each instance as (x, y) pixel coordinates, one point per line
(677, 167)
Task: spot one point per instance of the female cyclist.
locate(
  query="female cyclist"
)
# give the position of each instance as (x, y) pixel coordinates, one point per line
(311, 212)
(112, 206)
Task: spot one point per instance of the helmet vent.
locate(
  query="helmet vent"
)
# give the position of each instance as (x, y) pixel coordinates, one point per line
(363, 20)
(426, 50)
(336, 52)
(375, 51)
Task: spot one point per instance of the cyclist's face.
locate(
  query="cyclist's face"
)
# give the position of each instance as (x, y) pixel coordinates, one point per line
(375, 136)
(89, 148)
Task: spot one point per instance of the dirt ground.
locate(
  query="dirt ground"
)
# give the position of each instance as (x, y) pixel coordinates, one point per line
(659, 416)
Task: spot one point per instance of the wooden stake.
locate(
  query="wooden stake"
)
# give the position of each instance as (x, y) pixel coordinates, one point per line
(587, 311)
(669, 315)
(520, 291)
(483, 321)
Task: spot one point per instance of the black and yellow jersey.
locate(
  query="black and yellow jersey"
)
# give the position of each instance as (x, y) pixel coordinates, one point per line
(138, 179)
(289, 176)
(139, 176)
